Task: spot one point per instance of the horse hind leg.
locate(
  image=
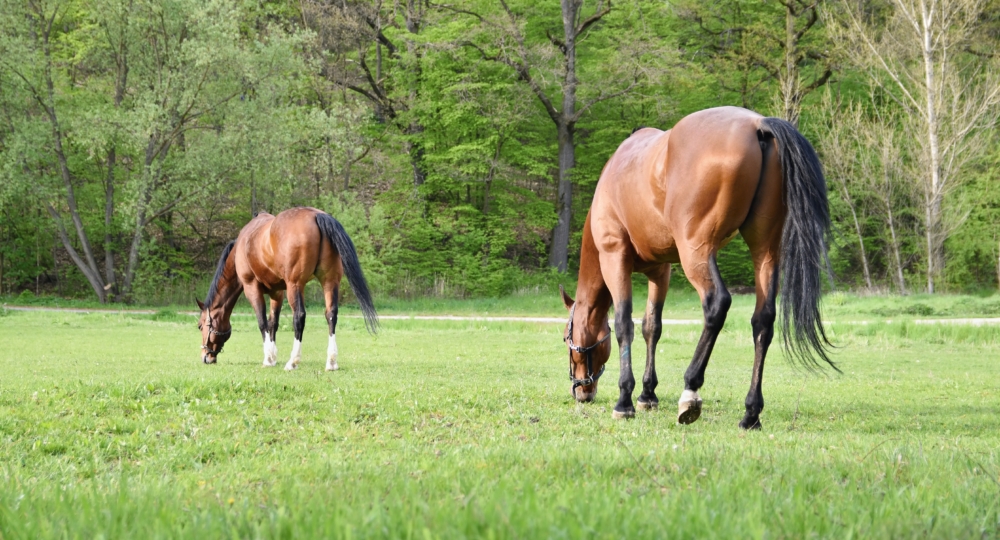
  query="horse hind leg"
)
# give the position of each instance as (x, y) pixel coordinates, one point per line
(652, 326)
(270, 338)
(703, 272)
(331, 294)
(298, 306)
(766, 277)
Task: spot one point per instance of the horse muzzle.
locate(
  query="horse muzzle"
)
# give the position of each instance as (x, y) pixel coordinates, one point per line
(584, 396)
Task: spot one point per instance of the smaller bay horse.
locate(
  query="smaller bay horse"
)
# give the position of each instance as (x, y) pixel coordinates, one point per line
(275, 254)
(679, 196)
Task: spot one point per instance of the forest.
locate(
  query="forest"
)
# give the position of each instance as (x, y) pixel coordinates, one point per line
(460, 142)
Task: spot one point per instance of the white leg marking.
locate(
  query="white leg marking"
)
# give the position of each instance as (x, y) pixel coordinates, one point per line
(689, 396)
(270, 352)
(331, 354)
(293, 362)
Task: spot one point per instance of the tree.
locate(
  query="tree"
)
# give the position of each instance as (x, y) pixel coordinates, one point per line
(919, 52)
(349, 34)
(750, 44)
(504, 39)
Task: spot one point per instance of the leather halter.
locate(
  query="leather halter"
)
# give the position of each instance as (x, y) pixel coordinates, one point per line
(591, 378)
(213, 331)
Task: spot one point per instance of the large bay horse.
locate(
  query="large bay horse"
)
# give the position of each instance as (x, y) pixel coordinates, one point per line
(273, 254)
(680, 196)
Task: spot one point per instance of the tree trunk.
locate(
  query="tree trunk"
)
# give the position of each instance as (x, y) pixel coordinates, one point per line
(900, 282)
(861, 243)
(86, 264)
(789, 84)
(928, 236)
(109, 211)
(565, 126)
(417, 159)
(150, 173)
(933, 201)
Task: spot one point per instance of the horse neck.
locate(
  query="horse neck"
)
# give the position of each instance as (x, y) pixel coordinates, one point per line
(593, 299)
(229, 289)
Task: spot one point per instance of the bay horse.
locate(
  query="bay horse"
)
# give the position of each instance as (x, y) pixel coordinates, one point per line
(679, 196)
(275, 254)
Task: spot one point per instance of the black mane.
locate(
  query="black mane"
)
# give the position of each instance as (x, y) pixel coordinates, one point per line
(214, 288)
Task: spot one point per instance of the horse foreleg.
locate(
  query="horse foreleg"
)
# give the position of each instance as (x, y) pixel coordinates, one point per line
(256, 299)
(331, 295)
(298, 306)
(270, 341)
(652, 326)
(617, 271)
(715, 302)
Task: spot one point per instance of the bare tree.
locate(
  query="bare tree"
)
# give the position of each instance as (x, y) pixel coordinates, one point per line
(801, 17)
(884, 169)
(922, 57)
(841, 164)
(760, 47)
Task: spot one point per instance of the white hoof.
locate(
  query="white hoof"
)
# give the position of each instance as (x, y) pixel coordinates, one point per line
(688, 407)
(293, 362)
(332, 366)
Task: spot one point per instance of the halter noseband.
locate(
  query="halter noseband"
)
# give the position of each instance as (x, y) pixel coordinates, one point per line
(591, 378)
(213, 331)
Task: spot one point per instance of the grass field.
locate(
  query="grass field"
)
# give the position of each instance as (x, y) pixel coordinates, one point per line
(110, 427)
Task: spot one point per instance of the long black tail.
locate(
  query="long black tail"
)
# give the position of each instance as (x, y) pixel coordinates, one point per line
(803, 244)
(335, 233)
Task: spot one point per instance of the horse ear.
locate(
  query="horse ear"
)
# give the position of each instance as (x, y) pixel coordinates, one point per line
(567, 301)
(201, 306)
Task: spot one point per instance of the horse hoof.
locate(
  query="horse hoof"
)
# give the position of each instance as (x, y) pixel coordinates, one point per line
(291, 367)
(751, 424)
(334, 367)
(647, 405)
(627, 413)
(689, 412)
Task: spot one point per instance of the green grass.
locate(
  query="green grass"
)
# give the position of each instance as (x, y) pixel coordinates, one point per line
(110, 427)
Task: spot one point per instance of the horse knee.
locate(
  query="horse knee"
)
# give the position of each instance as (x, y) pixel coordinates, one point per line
(652, 328)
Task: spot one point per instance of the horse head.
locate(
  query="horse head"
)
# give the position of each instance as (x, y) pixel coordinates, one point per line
(587, 338)
(214, 333)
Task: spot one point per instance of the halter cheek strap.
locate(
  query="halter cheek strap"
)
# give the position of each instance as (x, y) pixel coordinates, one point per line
(590, 378)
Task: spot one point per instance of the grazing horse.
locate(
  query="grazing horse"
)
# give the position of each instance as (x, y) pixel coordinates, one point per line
(273, 254)
(680, 196)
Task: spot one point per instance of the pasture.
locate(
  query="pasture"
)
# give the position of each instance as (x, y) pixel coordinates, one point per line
(111, 427)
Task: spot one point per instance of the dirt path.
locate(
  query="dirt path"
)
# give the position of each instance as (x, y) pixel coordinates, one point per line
(969, 321)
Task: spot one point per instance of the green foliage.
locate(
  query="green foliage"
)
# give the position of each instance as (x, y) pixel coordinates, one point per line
(232, 108)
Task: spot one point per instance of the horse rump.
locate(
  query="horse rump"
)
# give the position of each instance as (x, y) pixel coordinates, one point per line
(803, 244)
